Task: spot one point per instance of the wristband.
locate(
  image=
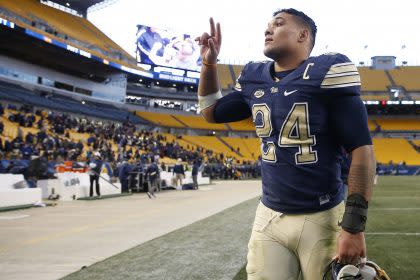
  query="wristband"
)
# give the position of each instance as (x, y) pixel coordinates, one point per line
(355, 214)
(208, 100)
(207, 64)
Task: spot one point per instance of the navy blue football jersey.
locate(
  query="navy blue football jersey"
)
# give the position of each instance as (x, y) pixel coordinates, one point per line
(300, 150)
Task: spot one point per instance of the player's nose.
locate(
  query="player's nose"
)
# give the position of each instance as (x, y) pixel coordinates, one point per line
(268, 31)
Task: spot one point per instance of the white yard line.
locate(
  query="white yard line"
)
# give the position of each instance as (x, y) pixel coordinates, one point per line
(394, 197)
(13, 217)
(394, 233)
(394, 209)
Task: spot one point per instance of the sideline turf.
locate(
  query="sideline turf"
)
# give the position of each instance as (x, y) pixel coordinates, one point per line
(212, 248)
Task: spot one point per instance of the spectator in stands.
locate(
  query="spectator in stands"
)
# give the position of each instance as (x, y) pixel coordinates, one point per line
(178, 172)
(377, 129)
(42, 134)
(7, 147)
(163, 166)
(54, 140)
(29, 138)
(26, 151)
(95, 167)
(91, 140)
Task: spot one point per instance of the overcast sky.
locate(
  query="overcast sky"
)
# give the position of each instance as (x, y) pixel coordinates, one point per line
(343, 26)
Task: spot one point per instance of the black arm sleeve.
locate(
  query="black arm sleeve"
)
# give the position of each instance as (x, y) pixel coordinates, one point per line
(231, 108)
(349, 122)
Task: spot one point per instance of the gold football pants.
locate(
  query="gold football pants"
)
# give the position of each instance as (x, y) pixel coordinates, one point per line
(292, 246)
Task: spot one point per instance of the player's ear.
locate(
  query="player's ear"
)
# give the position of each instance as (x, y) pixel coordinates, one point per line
(303, 35)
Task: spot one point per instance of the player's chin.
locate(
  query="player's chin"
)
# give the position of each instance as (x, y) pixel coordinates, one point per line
(271, 52)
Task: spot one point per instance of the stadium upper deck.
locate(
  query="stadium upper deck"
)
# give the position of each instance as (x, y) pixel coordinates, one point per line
(65, 28)
(374, 82)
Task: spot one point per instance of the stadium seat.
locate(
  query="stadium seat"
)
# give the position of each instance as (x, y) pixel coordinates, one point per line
(237, 69)
(399, 124)
(199, 123)
(375, 97)
(225, 77)
(160, 119)
(371, 125)
(249, 148)
(245, 125)
(211, 143)
(416, 142)
(408, 77)
(170, 138)
(397, 150)
(16, 94)
(373, 80)
(77, 29)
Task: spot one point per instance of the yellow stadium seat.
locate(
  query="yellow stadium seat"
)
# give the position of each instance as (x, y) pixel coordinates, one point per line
(245, 125)
(72, 26)
(374, 97)
(397, 150)
(399, 124)
(408, 77)
(371, 125)
(181, 142)
(249, 148)
(237, 69)
(225, 77)
(416, 142)
(160, 119)
(373, 80)
(211, 143)
(75, 136)
(199, 122)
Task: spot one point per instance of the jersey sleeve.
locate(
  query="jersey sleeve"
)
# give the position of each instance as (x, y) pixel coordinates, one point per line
(231, 108)
(341, 76)
(348, 119)
(347, 113)
(234, 106)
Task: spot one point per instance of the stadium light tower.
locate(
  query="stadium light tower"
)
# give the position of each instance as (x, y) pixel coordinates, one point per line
(403, 54)
(365, 47)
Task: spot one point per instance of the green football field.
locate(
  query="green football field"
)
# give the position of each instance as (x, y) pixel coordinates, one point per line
(215, 248)
(393, 229)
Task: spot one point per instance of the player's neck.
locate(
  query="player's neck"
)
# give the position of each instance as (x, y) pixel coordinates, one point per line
(289, 62)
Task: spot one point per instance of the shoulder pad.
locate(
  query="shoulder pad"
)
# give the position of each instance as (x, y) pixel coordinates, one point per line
(338, 71)
(253, 72)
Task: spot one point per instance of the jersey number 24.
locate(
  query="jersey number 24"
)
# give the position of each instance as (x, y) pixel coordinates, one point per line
(296, 121)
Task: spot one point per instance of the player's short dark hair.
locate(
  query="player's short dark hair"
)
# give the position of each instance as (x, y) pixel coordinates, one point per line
(303, 18)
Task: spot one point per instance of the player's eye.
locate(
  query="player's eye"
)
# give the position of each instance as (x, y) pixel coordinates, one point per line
(279, 23)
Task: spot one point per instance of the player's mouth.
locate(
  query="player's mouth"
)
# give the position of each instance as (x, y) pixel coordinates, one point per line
(268, 40)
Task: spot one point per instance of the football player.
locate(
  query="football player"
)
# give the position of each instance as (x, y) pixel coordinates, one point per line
(305, 110)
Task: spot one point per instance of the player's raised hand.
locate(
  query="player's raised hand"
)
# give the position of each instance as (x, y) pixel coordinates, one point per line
(210, 44)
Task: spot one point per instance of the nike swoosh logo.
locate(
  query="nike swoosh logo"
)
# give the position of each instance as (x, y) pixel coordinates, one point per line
(286, 93)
